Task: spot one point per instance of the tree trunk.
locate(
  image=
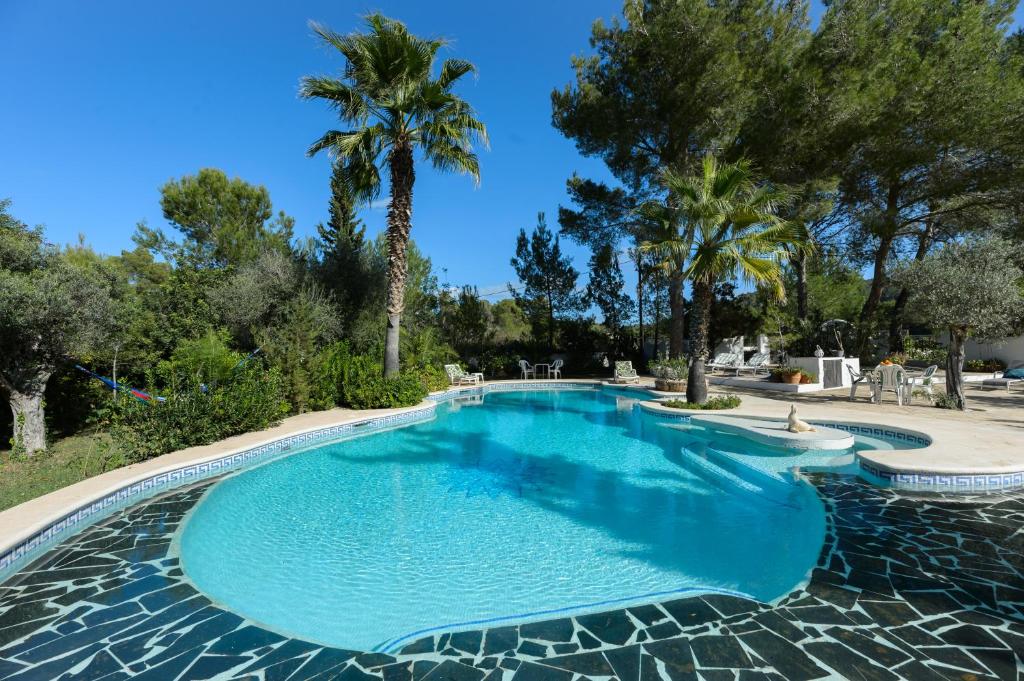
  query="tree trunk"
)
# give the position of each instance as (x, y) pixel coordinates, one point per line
(924, 241)
(399, 221)
(800, 266)
(955, 367)
(675, 303)
(657, 318)
(640, 306)
(700, 318)
(867, 312)
(26, 400)
(551, 324)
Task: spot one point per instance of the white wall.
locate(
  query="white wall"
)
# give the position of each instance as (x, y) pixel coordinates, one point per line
(1008, 350)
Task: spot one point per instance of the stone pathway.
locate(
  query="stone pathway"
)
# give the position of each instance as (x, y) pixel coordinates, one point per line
(917, 587)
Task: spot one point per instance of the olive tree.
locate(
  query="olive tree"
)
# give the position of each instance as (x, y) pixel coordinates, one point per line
(969, 288)
(52, 307)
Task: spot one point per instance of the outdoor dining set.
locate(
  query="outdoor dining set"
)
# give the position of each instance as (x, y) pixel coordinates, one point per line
(893, 378)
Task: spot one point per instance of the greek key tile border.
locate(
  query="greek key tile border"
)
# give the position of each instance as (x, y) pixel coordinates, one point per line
(878, 431)
(94, 510)
(946, 482)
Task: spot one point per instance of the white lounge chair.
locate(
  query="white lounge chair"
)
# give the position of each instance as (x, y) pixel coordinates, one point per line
(459, 377)
(724, 361)
(624, 372)
(758, 362)
(1001, 380)
(527, 369)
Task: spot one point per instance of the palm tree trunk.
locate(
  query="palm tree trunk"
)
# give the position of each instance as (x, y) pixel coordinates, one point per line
(800, 266)
(700, 318)
(675, 303)
(640, 304)
(399, 222)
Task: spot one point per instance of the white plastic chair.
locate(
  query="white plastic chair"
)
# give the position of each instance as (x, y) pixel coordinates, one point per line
(856, 378)
(926, 381)
(528, 369)
(892, 378)
(556, 369)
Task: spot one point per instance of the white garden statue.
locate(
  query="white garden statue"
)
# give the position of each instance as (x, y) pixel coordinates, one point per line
(796, 425)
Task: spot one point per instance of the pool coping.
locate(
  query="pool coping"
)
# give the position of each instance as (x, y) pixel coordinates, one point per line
(53, 515)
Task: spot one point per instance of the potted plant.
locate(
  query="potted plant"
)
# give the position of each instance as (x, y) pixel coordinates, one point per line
(787, 374)
(806, 378)
(670, 375)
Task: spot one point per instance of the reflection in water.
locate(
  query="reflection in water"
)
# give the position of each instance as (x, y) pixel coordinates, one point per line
(528, 503)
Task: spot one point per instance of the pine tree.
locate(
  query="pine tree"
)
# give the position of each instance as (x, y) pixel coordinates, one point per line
(548, 279)
(607, 290)
(344, 232)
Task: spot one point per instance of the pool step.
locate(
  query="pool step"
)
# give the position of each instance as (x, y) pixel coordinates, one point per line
(732, 475)
(696, 454)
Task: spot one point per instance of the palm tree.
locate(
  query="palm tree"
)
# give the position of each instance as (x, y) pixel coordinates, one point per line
(393, 106)
(725, 226)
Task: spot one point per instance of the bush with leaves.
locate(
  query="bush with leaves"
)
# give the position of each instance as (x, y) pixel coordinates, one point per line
(250, 400)
(716, 402)
(363, 385)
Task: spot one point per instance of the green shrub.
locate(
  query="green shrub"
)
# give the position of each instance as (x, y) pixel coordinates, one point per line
(328, 369)
(984, 365)
(206, 359)
(363, 385)
(716, 402)
(944, 401)
(670, 369)
(433, 378)
(251, 400)
(499, 363)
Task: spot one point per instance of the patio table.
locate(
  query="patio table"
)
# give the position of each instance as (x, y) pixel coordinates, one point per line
(547, 369)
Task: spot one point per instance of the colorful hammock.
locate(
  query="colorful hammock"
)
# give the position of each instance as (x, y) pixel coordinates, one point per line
(113, 385)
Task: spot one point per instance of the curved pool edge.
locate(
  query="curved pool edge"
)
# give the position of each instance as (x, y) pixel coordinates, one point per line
(69, 509)
(936, 467)
(32, 527)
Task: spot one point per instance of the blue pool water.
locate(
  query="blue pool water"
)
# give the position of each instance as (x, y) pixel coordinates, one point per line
(522, 504)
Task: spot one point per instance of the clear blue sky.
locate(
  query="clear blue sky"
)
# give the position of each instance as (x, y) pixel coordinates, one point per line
(106, 101)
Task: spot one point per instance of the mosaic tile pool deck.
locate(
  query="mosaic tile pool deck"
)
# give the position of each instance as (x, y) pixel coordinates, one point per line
(906, 586)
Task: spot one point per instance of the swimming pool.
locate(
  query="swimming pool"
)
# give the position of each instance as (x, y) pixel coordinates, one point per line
(503, 509)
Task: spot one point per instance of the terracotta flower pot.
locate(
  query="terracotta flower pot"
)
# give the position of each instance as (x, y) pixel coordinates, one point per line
(792, 379)
(669, 386)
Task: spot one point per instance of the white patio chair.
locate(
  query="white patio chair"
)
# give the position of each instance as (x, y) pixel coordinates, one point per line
(556, 369)
(892, 378)
(856, 378)
(459, 377)
(926, 381)
(624, 372)
(527, 369)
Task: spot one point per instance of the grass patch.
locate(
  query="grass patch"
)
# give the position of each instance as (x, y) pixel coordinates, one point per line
(717, 402)
(67, 461)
